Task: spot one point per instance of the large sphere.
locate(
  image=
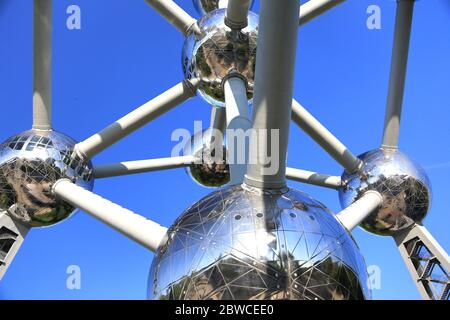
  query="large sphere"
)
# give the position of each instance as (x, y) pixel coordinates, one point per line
(210, 168)
(217, 51)
(402, 183)
(30, 163)
(206, 6)
(247, 244)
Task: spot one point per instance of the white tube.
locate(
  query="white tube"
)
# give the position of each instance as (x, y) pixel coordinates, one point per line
(321, 180)
(42, 65)
(237, 12)
(134, 167)
(272, 104)
(314, 8)
(238, 123)
(353, 215)
(397, 80)
(137, 118)
(175, 15)
(137, 228)
(324, 138)
(218, 118)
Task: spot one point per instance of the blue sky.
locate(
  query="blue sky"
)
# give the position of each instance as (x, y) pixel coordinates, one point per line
(125, 54)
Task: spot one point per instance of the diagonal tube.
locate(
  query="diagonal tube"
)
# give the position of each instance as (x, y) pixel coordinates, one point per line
(139, 229)
(277, 42)
(353, 215)
(324, 138)
(397, 80)
(134, 167)
(137, 118)
(237, 12)
(42, 65)
(315, 8)
(321, 180)
(175, 15)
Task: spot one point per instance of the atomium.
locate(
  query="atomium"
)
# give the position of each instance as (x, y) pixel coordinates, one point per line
(210, 168)
(402, 183)
(30, 163)
(250, 244)
(206, 6)
(218, 51)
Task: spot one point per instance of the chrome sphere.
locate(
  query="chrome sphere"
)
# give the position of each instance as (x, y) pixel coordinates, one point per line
(30, 163)
(402, 183)
(210, 168)
(211, 55)
(247, 244)
(206, 6)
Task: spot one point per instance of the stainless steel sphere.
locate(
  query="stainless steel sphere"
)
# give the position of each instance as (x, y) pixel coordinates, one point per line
(206, 6)
(30, 163)
(210, 168)
(402, 183)
(217, 51)
(241, 243)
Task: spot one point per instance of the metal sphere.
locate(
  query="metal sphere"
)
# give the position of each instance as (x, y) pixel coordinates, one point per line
(210, 168)
(206, 6)
(30, 163)
(217, 51)
(240, 243)
(402, 183)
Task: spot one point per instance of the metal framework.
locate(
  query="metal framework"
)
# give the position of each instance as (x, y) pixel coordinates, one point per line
(274, 107)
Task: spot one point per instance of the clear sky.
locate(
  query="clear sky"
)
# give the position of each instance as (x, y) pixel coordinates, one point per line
(125, 54)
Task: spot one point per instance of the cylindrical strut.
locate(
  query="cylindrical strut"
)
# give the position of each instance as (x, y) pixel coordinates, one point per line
(137, 228)
(275, 65)
(397, 80)
(42, 65)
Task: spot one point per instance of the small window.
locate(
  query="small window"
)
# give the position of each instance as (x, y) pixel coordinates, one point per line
(7, 239)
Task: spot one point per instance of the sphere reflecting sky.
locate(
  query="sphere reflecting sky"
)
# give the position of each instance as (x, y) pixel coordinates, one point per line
(210, 168)
(403, 184)
(30, 163)
(241, 243)
(217, 51)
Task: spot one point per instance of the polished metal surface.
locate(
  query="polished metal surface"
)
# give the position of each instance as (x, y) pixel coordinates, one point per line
(210, 168)
(211, 55)
(30, 163)
(241, 243)
(206, 6)
(403, 184)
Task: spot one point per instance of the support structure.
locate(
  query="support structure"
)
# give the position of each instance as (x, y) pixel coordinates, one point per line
(353, 215)
(324, 138)
(134, 167)
(314, 8)
(321, 180)
(427, 262)
(143, 231)
(12, 235)
(42, 65)
(237, 12)
(397, 80)
(238, 124)
(175, 15)
(137, 118)
(218, 119)
(272, 103)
